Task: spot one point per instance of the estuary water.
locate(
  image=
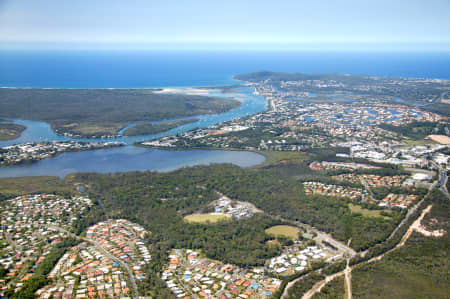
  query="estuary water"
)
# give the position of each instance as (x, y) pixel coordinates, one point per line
(181, 69)
(129, 158)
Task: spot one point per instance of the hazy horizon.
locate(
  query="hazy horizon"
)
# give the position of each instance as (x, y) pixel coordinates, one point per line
(201, 25)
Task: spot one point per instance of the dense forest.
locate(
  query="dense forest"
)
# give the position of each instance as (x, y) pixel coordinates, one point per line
(159, 200)
(91, 112)
(416, 130)
(417, 270)
(419, 267)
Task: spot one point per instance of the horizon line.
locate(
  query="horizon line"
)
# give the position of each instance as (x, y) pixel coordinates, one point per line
(237, 46)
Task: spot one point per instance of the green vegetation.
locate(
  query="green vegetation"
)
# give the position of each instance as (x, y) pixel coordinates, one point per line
(304, 285)
(148, 129)
(440, 108)
(287, 231)
(146, 197)
(28, 185)
(335, 289)
(89, 112)
(433, 196)
(417, 270)
(279, 157)
(381, 192)
(416, 130)
(206, 218)
(367, 212)
(39, 278)
(160, 202)
(10, 131)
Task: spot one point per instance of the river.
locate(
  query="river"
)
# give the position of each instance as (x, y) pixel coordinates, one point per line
(130, 158)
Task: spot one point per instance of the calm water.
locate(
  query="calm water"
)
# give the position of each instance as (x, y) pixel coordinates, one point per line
(250, 104)
(140, 69)
(129, 158)
(149, 69)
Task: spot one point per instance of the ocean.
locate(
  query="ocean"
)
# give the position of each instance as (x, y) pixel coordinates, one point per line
(139, 69)
(148, 69)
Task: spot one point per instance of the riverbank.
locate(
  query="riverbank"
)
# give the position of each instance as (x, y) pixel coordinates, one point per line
(10, 131)
(103, 112)
(23, 154)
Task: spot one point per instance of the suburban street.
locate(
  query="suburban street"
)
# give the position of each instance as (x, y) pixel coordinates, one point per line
(107, 253)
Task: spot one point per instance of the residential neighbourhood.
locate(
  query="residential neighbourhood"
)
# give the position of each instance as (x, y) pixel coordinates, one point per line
(383, 173)
(28, 232)
(298, 258)
(85, 272)
(93, 269)
(334, 190)
(238, 209)
(32, 152)
(295, 123)
(190, 275)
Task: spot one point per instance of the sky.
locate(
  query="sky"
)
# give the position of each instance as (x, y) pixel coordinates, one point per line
(256, 24)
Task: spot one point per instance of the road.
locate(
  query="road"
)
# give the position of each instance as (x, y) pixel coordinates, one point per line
(443, 181)
(442, 178)
(108, 254)
(321, 236)
(347, 272)
(10, 240)
(366, 185)
(348, 280)
(347, 250)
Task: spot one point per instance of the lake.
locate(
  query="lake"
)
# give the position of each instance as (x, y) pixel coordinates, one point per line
(129, 158)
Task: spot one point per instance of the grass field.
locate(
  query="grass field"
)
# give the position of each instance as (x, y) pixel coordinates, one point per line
(205, 218)
(89, 129)
(278, 157)
(283, 230)
(366, 212)
(25, 185)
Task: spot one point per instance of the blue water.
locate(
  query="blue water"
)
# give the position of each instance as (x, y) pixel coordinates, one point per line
(250, 104)
(393, 111)
(129, 158)
(138, 69)
(149, 69)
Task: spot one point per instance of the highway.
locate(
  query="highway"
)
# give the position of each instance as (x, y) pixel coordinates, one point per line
(442, 178)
